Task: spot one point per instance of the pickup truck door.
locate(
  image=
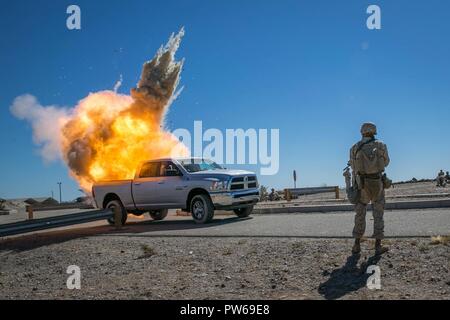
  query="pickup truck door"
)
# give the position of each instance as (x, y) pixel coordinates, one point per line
(159, 185)
(173, 187)
(145, 186)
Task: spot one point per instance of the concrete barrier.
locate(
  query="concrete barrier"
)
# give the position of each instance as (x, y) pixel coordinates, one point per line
(401, 205)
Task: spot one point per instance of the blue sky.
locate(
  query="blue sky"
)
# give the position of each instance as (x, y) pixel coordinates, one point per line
(310, 68)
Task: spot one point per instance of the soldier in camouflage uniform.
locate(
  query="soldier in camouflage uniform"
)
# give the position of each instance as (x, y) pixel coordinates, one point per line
(441, 180)
(368, 159)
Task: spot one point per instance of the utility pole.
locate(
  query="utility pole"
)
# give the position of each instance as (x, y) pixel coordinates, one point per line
(295, 179)
(60, 198)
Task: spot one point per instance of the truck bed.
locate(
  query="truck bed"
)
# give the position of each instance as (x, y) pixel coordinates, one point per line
(120, 187)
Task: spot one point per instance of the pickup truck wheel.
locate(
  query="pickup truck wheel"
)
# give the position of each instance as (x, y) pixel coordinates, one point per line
(113, 204)
(159, 214)
(243, 212)
(202, 208)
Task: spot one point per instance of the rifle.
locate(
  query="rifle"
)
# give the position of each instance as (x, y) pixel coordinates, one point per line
(353, 193)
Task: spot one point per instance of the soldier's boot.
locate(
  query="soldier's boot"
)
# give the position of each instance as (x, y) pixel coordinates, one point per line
(356, 246)
(379, 249)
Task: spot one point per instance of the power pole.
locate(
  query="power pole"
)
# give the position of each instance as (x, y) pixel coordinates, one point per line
(60, 198)
(295, 179)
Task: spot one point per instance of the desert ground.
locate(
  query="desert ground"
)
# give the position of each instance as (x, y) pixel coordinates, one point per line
(222, 268)
(269, 256)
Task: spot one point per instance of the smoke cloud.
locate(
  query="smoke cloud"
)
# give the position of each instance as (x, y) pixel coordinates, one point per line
(46, 122)
(106, 135)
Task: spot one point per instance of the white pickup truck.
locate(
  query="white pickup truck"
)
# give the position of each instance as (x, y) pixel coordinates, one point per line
(195, 185)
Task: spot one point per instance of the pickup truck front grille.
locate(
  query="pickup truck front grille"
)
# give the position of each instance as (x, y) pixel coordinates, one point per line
(242, 183)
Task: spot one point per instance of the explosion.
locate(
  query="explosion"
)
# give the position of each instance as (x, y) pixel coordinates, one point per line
(107, 134)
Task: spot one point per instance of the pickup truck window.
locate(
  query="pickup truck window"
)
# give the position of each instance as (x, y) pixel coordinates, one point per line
(195, 165)
(169, 169)
(150, 169)
(159, 169)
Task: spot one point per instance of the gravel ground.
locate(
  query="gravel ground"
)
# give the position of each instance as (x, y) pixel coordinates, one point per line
(127, 267)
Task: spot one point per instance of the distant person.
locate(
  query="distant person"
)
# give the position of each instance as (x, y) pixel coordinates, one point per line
(441, 180)
(272, 195)
(447, 177)
(368, 160)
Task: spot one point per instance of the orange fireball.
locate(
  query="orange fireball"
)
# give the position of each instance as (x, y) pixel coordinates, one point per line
(109, 134)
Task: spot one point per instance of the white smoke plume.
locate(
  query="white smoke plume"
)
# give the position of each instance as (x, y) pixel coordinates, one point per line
(46, 122)
(118, 84)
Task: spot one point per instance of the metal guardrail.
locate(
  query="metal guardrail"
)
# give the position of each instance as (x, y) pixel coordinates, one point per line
(53, 222)
(62, 207)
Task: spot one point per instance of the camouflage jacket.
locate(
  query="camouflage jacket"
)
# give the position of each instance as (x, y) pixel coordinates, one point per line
(381, 151)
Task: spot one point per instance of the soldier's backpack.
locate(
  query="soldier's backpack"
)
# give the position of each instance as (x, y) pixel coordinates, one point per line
(368, 158)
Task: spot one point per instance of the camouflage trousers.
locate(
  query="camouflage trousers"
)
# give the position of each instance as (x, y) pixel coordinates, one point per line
(372, 191)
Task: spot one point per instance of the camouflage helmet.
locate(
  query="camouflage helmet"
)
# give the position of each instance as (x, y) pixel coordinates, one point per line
(368, 128)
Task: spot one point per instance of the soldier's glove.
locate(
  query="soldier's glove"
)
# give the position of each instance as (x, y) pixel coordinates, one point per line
(387, 183)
